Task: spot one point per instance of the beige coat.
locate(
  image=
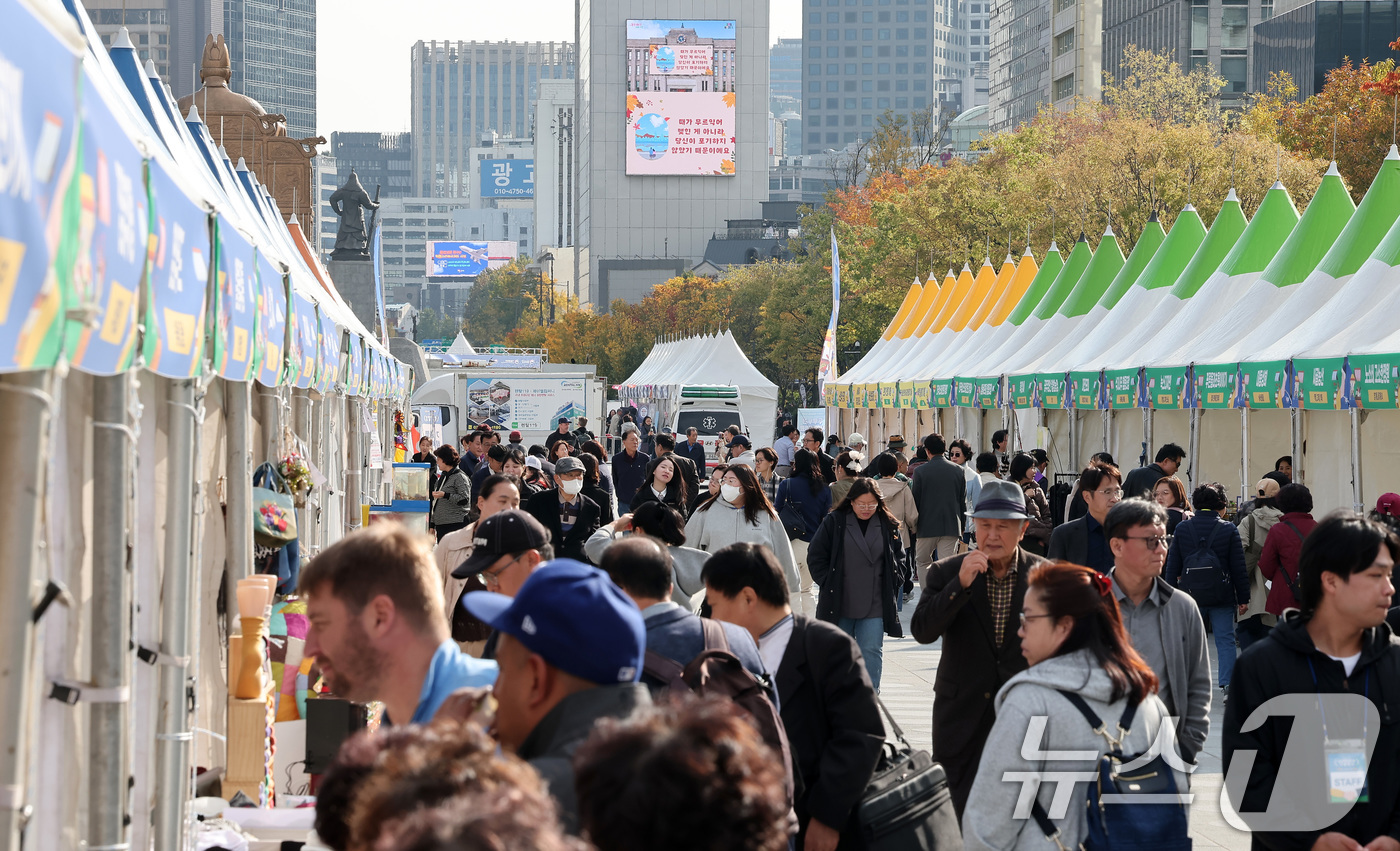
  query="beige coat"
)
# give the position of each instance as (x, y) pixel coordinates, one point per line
(451, 551)
(900, 501)
(1254, 528)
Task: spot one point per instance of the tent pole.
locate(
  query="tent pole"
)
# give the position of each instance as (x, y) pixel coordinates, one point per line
(1357, 505)
(272, 424)
(239, 520)
(173, 736)
(1296, 415)
(1195, 449)
(301, 445)
(110, 654)
(354, 468)
(1146, 434)
(1074, 436)
(1107, 416)
(24, 436)
(1245, 491)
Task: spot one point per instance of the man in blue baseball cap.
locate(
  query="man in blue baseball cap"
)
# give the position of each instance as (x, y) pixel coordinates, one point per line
(571, 652)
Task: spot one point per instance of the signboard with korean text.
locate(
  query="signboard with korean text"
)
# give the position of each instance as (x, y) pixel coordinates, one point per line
(178, 281)
(872, 395)
(680, 97)
(988, 392)
(308, 335)
(1165, 388)
(1319, 383)
(1217, 385)
(1123, 388)
(964, 392)
(330, 372)
(843, 395)
(272, 321)
(923, 395)
(1054, 389)
(1266, 385)
(1086, 390)
(905, 395)
(1023, 391)
(507, 178)
(235, 303)
(889, 394)
(943, 393)
(1375, 381)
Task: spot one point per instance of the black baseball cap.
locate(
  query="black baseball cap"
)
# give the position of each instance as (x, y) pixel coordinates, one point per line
(509, 531)
(739, 440)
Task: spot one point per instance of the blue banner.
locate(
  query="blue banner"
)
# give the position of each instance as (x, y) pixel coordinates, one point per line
(330, 374)
(507, 178)
(355, 370)
(272, 322)
(306, 330)
(111, 240)
(826, 370)
(235, 307)
(376, 252)
(38, 121)
(178, 281)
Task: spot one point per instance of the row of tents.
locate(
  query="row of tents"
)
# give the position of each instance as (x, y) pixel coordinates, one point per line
(1279, 312)
(163, 331)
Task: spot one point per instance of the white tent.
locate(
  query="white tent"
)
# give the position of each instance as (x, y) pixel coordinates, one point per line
(461, 347)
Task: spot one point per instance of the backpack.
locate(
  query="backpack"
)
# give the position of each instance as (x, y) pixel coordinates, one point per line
(1202, 574)
(1125, 812)
(1292, 581)
(717, 672)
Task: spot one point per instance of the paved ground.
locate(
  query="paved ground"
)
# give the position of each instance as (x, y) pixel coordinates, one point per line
(907, 689)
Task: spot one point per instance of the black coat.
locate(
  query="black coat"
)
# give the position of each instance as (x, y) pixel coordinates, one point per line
(1279, 664)
(833, 723)
(673, 498)
(972, 668)
(826, 559)
(628, 475)
(688, 471)
(544, 507)
(1141, 481)
(695, 454)
(600, 496)
(828, 467)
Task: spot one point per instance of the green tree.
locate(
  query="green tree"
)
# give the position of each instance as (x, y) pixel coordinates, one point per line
(433, 325)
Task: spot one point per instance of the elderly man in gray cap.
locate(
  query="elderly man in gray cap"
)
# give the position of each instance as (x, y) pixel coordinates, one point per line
(973, 602)
(570, 517)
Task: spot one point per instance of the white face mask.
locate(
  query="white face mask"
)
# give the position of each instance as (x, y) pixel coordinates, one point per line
(571, 487)
(730, 492)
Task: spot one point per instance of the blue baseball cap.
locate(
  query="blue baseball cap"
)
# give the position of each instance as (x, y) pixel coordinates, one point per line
(573, 616)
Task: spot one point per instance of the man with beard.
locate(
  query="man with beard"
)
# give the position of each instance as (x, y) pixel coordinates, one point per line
(377, 628)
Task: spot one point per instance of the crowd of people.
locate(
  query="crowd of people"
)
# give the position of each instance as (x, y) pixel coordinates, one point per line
(655, 650)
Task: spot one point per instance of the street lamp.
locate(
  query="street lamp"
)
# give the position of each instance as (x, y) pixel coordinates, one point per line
(852, 355)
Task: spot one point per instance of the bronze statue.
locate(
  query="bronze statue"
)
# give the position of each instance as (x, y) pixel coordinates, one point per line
(349, 202)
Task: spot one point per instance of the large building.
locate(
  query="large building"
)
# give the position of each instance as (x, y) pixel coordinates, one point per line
(671, 136)
(785, 97)
(1313, 38)
(1217, 33)
(384, 160)
(462, 90)
(861, 63)
(1043, 54)
(554, 165)
(271, 44)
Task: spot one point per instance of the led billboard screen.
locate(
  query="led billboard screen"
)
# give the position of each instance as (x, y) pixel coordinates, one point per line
(507, 178)
(467, 259)
(680, 97)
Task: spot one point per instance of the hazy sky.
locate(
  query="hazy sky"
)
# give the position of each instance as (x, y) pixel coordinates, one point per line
(362, 48)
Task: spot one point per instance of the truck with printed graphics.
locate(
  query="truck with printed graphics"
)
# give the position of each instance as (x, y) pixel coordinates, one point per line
(530, 401)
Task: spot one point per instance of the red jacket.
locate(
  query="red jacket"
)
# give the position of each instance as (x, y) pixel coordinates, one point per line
(1281, 550)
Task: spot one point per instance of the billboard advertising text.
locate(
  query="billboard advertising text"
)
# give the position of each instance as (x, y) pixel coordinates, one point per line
(467, 259)
(507, 178)
(680, 97)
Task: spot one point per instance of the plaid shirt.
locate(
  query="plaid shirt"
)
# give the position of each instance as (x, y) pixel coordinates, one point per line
(999, 597)
(771, 487)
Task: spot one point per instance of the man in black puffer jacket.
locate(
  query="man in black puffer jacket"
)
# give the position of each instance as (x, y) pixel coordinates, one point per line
(1308, 764)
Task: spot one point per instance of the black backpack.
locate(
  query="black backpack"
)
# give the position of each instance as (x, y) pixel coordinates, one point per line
(717, 672)
(1202, 574)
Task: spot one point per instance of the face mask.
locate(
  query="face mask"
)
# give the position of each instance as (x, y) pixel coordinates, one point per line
(730, 492)
(572, 487)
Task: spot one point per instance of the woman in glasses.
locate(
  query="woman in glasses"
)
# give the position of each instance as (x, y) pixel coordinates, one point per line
(1206, 560)
(1170, 493)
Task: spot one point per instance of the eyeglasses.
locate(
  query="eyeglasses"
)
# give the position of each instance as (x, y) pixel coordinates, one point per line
(1152, 542)
(493, 577)
(1025, 617)
(1111, 493)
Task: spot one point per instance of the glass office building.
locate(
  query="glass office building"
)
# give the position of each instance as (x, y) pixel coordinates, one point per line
(1314, 38)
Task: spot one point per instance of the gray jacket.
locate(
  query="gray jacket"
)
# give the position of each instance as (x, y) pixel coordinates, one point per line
(940, 491)
(686, 563)
(990, 820)
(1183, 637)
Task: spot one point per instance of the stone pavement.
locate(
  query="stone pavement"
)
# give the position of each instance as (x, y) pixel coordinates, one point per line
(907, 689)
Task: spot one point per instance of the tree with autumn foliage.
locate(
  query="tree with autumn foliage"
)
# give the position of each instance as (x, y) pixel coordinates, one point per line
(1354, 113)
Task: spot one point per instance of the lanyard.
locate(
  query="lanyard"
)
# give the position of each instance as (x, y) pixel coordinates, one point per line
(1366, 690)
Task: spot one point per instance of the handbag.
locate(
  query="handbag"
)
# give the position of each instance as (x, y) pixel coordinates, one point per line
(794, 524)
(907, 805)
(274, 515)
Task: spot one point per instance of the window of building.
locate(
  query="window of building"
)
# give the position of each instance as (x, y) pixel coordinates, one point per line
(832, 137)
(850, 52)
(814, 35)
(833, 69)
(884, 16)
(833, 17)
(850, 68)
(814, 17)
(1064, 87)
(1061, 5)
(850, 35)
(866, 51)
(1234, 27)
(882, 103)
(867, 68)
(867, 34)
(814, 138)
(901, 50)
(867, 17)
(901, 17)
(921, 49)
(919, 86)
(1200, 26)
(884, 34)
(833, 85)
(1235, 71)
(1064, 42)
(833, 35)
(814, 86)
(867, 121)
(920, 102)
(883, 50)
(814, 103)
(848, 85)
(831, 103)
(848, 103)
(814, 53)
(901, 85)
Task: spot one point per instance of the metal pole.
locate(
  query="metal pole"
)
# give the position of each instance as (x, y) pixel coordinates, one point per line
(112, 446)
(1296, 449)
(24, 437)
(301, 427)
(1195, 477)
(239, 519)
(1147, 417)
(173, 734)
(1107, 416)
(272, 424)
(355, 463)
(1357, 505)
(1074, 438)
(1245, 490)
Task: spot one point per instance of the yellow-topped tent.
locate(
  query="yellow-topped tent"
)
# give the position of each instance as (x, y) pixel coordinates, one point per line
(961, 288)
(1008, 271)
(906, 307)
(981, 286)
(1020, 282)
(945, 292)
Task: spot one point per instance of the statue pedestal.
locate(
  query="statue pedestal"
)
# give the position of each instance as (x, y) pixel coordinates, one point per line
(355, 281)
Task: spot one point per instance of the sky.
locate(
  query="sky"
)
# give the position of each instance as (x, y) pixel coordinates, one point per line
(362, 48)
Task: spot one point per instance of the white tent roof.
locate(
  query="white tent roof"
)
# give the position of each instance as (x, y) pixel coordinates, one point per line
(461, 347)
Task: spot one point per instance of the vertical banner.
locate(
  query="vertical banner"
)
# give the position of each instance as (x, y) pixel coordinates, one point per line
(177, 285)
(272, 321)
(965, 392)
(38, 145)
(235, 304)
(923, 395)
(826, 371)
(943, 393)
(355, 370)
(889, 394)
(330, 374)
(376, 251)
(307, 335)
(905, 394)
(109, 242)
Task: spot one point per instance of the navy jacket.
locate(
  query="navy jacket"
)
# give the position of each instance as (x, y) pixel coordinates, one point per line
(629, 474)
(814, 506)
(1224, 537)
(676, 634)
(696, 454)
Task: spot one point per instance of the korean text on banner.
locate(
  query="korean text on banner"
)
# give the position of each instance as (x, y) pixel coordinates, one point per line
(1319, 383)
(178, 281)
(1267, 384)
(1217, 385)
(307, 333)
(272, 321)
(38, 122)
(235, 303)
(1375, 381)
(826, 370)
(330, 376)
